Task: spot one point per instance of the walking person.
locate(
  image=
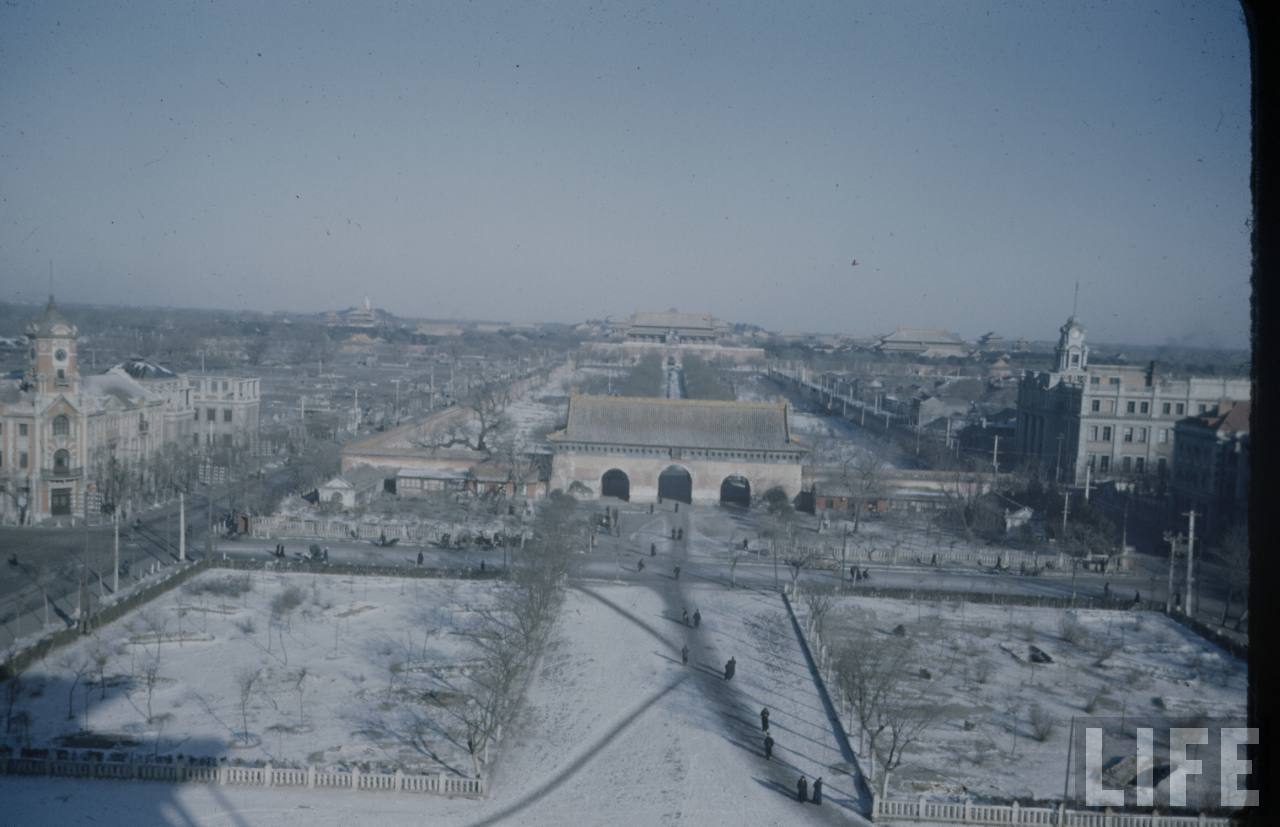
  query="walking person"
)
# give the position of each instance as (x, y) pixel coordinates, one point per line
(817, 791)
(1106, 591)
(639, 565)
(676, 572)
(802, 790)
(764, 719)
(684, 655)
(768, 747)
(685, 618)
(419, 558)
(653, 549)
(697, 618)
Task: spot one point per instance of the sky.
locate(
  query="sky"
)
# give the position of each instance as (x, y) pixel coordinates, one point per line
(560, 161)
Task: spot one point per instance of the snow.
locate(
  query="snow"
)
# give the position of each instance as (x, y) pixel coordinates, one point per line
(613, 730)
(978, 657)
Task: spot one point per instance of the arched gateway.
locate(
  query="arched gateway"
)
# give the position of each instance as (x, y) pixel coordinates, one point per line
(680, 449)
(615, 483)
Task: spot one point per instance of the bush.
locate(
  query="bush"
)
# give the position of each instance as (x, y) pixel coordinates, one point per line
(1042, 723)
(287, 600)
(231, 585)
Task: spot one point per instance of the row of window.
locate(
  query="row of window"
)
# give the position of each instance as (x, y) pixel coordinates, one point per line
(1136, 465)
(1127, 434)
(211, 414)
(1134, 407)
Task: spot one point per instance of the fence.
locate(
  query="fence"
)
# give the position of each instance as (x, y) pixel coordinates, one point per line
(922, 811)
(309, 777)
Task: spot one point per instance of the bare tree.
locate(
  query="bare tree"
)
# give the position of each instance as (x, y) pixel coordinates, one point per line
(819, 605)
(151, 676)
(1233, 554)
(904, 722)
(486, 404)
(78, 665)
(299, 678)
(246, 679)
(13, 687)
(100, 653)
(869, 671)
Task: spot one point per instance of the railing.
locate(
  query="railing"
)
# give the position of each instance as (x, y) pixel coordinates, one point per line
(65, 472)
(923, 811)
(264, 776)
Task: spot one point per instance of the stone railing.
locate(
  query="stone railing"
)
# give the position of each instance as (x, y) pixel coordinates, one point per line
(310, 777)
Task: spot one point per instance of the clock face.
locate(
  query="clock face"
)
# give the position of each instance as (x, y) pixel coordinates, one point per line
(60, 354)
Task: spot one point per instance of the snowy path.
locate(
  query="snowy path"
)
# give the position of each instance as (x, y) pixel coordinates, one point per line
(614, 730)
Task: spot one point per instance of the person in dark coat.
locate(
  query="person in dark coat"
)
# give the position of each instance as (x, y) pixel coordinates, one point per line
(653, 549)
(817, 791)
(673, 534)
(684, 655)
(481, 565)
(676, 572)
(685, 617)
(768, 746)
(639, 565)
(419, 558)
(802, 790)
(680, 534)
(650, 508)
(1137, 597)
(1106, 590)
(677, 508)
(764, 719)
(697, 618)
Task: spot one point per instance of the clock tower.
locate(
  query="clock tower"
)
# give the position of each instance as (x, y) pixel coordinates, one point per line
(1072, 354)
(51, 353)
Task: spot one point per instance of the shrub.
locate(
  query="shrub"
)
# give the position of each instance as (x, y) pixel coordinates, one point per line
(1070, 630)
(231, 585)
(1042, 723)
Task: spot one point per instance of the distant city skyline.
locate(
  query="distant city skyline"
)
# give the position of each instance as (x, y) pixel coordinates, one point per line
(573, 162)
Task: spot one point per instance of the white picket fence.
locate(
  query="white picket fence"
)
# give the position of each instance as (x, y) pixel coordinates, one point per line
(309, 777)
(923, 811)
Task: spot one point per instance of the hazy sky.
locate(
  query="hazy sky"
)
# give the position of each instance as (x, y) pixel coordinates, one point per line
(560, 161)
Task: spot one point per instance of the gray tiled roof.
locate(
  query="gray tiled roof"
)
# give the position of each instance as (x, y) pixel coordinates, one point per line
(682, 423)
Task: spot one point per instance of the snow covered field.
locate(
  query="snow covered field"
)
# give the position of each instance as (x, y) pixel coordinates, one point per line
(350, 669)
(614, 731)
(1105, 663)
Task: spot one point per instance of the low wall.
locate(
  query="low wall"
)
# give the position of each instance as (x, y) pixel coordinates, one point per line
(923, 811)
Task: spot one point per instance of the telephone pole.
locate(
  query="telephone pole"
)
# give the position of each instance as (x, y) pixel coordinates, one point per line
(1173, 542)
(995, 456)
(1066, 507)
(1188, 604)
(115, 572)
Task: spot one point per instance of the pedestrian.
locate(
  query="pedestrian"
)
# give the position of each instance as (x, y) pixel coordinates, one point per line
(1106, 590)
(817, 791)
(639, 565)
(866, 574)
(420, 558)
(764, 719)
(326, 555)
(650, 508)
(482, 566)
(677, 572)
(728, 669)
(686, 617)
(677, 508)
(680, 534)
(697, 618)
(653, 549)
(932, 562)
(684, 655)
(1137, 597)
(802, 790)
(744, 543)
(768, 746)
(673, 533)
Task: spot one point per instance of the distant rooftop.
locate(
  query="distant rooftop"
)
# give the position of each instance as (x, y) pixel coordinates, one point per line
(656, 422)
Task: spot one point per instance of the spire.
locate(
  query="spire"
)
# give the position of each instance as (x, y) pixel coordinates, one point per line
(1075, 302)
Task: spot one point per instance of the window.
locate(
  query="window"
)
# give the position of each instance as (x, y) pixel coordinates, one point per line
(1130, 407)
(61, 461)
(1106, 433)
(1138, 464)
(1164, 435)
(1128, 435)
(22, 429)
(1097, 405)
(1113, 380)
(226, 414)
(1203, 407)
(1180, 408)
(22, 460)
(197, 414)
(1075, 360)
(61, 425)
(1126, 464)
(1144, 408)
(211, 414)
(1164, 409)
(1142, 434)
(1093, 433)
(1105, 463)
(1161, 466)
(1095, 380)
(1093, 461)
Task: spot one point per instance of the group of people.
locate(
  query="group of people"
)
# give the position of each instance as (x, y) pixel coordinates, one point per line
(859, 574)
(697, 618)
(802, 785)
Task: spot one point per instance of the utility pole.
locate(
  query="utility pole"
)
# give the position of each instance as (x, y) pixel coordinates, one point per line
(1173, 553)
(115, 572)
(1088, 475)
(1057, 461)
(1066, 507)
(995, 456)
(1189, 604)
(182, 527)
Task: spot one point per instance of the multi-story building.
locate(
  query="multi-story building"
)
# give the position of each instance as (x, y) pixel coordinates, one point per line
(1108, 421)
(928, 343)
(60, 429)
(1211, 468)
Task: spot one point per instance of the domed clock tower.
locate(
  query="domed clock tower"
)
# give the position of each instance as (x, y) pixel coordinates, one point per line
(1072, 354)
(51, 357)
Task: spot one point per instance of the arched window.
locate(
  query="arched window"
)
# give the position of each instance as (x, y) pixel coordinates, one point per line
(61, 425)
(61, 460)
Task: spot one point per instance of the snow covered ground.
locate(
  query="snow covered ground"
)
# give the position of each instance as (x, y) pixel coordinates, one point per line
(1105, 663)
(614, 730)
